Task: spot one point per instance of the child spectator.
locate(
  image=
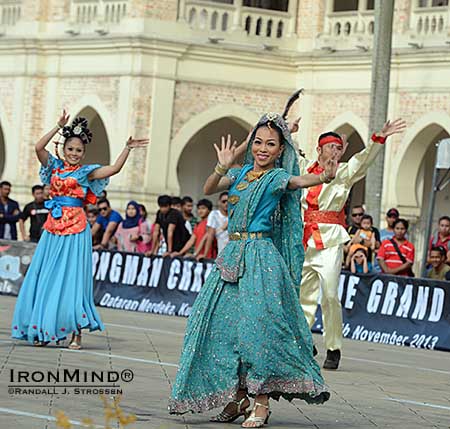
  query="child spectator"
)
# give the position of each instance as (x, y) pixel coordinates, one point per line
(358, 261)
(365, 237)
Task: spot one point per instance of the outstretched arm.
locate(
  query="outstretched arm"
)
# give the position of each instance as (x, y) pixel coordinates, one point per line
(357, 166)
(40, 146)
(111, 170)
(226, 156)
(308, 180)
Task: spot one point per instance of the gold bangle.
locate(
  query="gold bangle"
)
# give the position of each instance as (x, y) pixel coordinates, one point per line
(220, 169)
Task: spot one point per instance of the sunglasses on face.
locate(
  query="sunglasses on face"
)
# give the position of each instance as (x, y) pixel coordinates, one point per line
(224, 201)
(103, 209)
(357, 214)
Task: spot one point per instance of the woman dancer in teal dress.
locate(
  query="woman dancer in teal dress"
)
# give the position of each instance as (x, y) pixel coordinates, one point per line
(247, 335)
(56, 297)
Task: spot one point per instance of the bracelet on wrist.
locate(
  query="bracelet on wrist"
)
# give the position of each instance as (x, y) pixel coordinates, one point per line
(378, 139)
(220, 169)
(324, 178)
(59, 126)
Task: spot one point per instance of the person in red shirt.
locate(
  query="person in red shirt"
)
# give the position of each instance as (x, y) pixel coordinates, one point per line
(199, 236)
(391, 262)
(441, 237)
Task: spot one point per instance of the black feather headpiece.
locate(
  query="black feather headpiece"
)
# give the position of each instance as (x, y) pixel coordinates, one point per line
(78, 128)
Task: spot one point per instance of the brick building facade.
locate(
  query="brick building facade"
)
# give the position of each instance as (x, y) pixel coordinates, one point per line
(182, 72)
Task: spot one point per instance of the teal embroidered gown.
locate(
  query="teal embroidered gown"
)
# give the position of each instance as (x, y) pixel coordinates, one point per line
(247, 329)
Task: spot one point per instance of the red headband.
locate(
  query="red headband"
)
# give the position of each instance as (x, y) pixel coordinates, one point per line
(330, 139)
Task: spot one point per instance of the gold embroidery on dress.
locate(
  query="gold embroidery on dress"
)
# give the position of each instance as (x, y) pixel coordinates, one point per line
(233, 199)
(242, 186)
(255, 175)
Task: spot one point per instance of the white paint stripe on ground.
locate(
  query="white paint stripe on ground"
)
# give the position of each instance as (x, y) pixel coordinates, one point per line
(159, 331)
(152, 362)
(40, 416)
(345, 357)
(422, 404)
(420, 368)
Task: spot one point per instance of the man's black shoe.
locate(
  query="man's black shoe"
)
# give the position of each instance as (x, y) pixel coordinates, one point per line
(332, 360)
(315, 351)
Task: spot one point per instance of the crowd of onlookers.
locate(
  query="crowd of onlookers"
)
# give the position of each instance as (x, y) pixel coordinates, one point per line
(389, 251)
(180, 231)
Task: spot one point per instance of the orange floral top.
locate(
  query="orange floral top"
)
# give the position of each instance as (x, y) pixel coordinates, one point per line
(70, 181)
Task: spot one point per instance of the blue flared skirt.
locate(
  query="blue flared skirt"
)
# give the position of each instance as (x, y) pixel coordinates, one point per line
(248, 335)
(56, 297)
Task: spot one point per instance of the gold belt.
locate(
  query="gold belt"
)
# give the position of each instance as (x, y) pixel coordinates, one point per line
(235, 236)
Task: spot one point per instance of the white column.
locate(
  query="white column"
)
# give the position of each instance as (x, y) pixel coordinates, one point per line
(237, 16)
(292, 11)
(163, 95)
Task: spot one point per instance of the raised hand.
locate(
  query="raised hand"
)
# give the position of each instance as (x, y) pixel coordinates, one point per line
(331, 167)
(133, 143)
(394, 127)
(294, 126)
(226, 155)
(63, 119)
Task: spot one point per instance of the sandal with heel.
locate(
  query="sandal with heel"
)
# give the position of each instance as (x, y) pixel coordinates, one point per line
(259, 421)
(75, 342)
(226, 417)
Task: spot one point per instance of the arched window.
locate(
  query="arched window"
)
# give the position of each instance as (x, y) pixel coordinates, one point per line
(97, 152)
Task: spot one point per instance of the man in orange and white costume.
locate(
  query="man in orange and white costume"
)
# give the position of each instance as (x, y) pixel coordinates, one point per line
(325, 235)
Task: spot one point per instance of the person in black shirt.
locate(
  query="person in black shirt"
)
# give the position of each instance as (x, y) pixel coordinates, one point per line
(37, 213)
(172, 224)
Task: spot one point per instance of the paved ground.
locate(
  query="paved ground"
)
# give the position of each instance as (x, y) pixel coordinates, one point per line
(377, 386)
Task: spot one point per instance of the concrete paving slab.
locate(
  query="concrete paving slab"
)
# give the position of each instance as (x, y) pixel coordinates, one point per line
(377, 385)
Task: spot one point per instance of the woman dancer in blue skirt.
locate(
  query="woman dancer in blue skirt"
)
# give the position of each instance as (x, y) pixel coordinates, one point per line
(247, 335)
(56, 297)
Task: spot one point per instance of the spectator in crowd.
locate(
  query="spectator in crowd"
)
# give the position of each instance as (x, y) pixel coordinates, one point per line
(217, 225)
(440, 270)
(133, 234)
(9, 213)
(396, 256)
(391, 216)
(364, 236)
(103, 195)
(172, 224)
(46, 192)
(143, 211)
(199, 236)
(187, 206)
(108, 221)
(91, 215)
(37, 213)
(441, 237)
(357, 214)
(176, 203)
(358, 260)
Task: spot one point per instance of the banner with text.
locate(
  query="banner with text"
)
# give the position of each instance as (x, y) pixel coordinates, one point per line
(394, 310)
(149, 284)
(382, 309)
(15, 256)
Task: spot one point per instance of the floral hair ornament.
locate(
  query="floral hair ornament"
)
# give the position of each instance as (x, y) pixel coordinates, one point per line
(78, 128)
